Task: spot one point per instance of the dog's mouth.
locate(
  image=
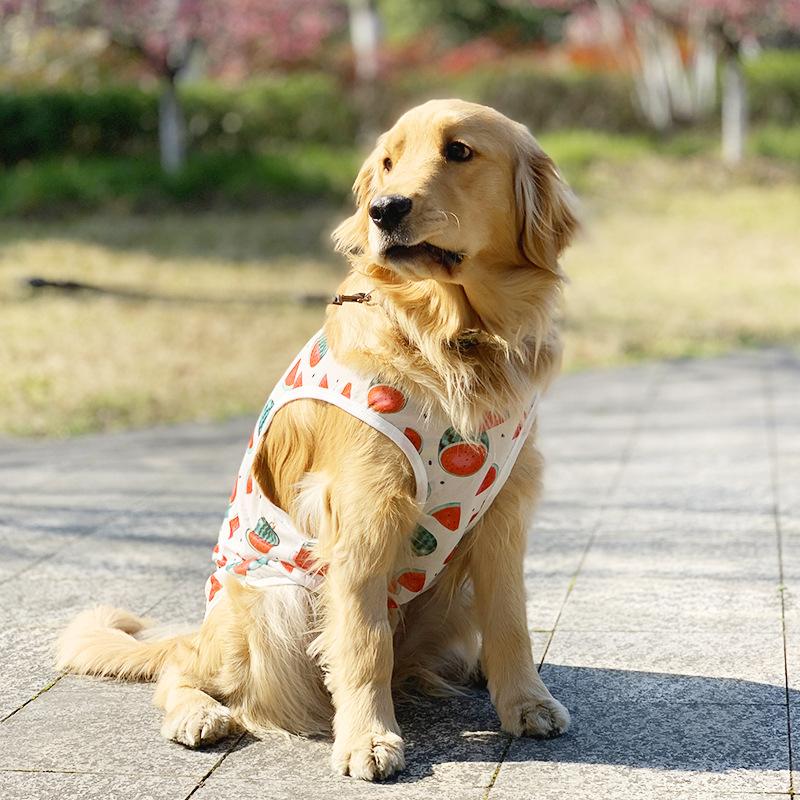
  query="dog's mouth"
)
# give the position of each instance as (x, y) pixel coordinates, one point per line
(445, 258)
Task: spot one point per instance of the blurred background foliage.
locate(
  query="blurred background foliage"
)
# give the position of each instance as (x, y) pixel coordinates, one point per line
(181, 162)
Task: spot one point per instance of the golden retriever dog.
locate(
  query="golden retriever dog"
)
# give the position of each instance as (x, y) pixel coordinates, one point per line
(460, 221)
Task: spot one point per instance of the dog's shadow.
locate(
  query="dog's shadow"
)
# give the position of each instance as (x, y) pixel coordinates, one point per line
(619, 717)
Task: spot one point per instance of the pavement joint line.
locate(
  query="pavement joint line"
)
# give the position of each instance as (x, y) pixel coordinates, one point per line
(493, 778)
(38, 694)
(624, 459)
(216, 764)
(106, 521)
(772, 447)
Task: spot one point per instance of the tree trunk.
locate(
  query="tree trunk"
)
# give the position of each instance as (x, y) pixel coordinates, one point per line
(734, 109)
(171, 128)
(365, 36)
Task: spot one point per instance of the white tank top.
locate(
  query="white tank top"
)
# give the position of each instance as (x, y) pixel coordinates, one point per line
(456, 480)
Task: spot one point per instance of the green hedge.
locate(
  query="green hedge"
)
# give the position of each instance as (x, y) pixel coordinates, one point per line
(124, 121)
(317, 108)
(773, 82)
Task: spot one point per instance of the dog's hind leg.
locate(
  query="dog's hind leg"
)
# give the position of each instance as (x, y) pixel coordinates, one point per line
(192, 717)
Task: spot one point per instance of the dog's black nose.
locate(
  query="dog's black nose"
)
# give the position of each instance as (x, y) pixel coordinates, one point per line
(387, 211)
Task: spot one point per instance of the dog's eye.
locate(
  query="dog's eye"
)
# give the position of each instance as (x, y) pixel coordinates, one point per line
(457, 151)
(387, 164)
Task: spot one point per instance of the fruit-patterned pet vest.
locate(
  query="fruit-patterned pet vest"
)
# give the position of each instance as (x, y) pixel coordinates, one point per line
(456, 480)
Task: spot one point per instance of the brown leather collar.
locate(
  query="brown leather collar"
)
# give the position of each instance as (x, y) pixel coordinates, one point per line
(468, 340)
(358, 297)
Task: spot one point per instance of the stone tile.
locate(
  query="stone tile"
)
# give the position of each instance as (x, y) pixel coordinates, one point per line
(614, 782)
(92, 786)
(337, 788)
(452, 744)
(91, 725)
(669, 666)
(628, 552)
(656, 748)
(628, 603)
(794, 716)
(26, 666)
(50, 598)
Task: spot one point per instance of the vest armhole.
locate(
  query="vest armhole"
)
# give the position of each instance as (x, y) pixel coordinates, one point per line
(366, 415)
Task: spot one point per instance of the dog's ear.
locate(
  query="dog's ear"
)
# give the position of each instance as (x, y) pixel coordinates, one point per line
(351, 235)
(546, 207)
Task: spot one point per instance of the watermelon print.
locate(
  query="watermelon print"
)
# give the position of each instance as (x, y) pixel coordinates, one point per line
(458, 456)
(385, 399)
(488, 479)
(456, 478)
(318, 351)
(448, 515)
(491, 420)
(292, 376)
(264, 414)
(305, 557)
(414, 438)
(413, 580)
(423, 542)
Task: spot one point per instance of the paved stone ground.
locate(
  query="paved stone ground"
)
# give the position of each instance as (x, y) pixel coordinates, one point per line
(663, 577)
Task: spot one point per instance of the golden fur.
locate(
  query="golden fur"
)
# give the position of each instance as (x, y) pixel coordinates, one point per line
(463, 337)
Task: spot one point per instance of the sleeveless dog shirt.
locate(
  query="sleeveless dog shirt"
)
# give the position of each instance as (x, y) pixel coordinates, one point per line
(456, 480)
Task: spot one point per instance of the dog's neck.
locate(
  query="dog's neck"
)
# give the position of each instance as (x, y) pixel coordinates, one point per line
(428, 338)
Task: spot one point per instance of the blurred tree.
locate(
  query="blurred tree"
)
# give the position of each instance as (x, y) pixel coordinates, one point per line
(676, 45)
(466, 19)
(166, 34)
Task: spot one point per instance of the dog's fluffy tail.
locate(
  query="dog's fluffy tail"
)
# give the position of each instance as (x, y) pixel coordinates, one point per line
(110, 642)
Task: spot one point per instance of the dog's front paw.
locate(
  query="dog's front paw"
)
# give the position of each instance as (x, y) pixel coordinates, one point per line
(540, 717)
(371, 757)
(197, 724)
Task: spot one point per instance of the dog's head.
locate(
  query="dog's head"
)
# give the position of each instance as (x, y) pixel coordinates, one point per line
(456, 192)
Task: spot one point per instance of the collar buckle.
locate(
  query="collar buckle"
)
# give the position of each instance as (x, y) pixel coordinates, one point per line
(358, 297)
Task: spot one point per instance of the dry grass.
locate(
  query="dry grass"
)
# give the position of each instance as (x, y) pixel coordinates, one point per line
(679, 260)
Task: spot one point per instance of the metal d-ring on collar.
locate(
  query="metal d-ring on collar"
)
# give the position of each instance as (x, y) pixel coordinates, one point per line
(358, 297)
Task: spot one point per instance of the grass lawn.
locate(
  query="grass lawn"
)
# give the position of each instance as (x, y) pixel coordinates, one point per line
(680, 258)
